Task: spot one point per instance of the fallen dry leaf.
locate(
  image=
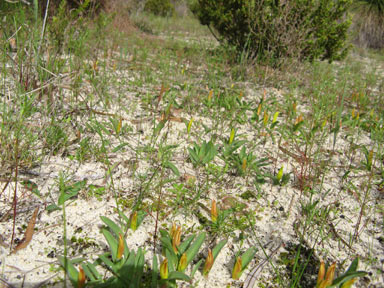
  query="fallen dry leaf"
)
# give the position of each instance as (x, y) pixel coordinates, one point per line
(28, 233)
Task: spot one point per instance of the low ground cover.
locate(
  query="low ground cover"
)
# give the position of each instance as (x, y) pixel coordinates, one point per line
(151, 145)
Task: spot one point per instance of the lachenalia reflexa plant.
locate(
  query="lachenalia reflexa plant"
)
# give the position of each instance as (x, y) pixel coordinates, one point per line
(325, 278)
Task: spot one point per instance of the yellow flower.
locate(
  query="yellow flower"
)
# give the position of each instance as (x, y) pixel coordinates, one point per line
(236, 272)
(208, 263)
(81, 278)
(134, 221)
(164, 269)
(182, 262)
(120, 247)
(176, 239)
(214, 211)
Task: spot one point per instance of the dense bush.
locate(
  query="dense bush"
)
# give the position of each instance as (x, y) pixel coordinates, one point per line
(275, 29)
(160, 7)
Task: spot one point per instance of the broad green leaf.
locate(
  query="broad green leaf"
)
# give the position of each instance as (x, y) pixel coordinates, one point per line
(139, 267)
(217, 249)
(69, 269)
(174, 169)
(195, 247)
(172, 260)
(112, 242)
(91, 271)
(119, 147)
(112, 225)
(183, 246)
(52, 207)
(107, 262)
(177, 275)
(247, 257)
(340, 280)
(154, 272)
(196, 267)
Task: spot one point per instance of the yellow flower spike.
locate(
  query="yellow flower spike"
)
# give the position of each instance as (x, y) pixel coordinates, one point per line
(265, 120)
(94, 65)
(81, 278)
(353, 113)
(299, 119)
(176, 239)
(189, 125)
(182, 71)
(164, 269)
(324, 123)
(118, 129)
(370, 157)
(349, 283)
(134, 221)
(173, 229)
(372, 113)
(275, 116)
(330, 275)
(357, 115)
(210, 95)
(244, 165)
(182, 263)
(236, 272)
(214, 214)
(280, 173)
(208, 263)
(233, 85)
(232, 136)
(259, 109)
(120, 247)
(320, 276)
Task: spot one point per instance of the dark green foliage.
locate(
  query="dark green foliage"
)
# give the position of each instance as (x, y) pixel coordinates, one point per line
(160, 7)
(274, 29)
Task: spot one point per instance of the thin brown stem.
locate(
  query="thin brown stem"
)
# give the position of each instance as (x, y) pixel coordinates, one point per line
(14, 204)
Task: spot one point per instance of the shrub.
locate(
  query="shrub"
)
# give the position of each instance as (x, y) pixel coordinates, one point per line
(275, 29)
(160, 7)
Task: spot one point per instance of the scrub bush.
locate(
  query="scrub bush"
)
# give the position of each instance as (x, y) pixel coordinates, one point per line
(160, 7)
(271, 30)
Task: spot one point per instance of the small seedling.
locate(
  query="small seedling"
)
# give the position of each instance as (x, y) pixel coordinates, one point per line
(242, 263)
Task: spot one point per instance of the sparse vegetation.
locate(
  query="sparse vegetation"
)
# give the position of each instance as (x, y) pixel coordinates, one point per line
(153, 159)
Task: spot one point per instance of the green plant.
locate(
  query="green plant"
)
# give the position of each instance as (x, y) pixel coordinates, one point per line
(201, 155)
(212, 255)
(244, 162)
(326, 279)
(271, 30)
(160, 7)
(56, 138)
(242, 262)
(280, 178)
(180, 254)
(368, 158)
(126, 266)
